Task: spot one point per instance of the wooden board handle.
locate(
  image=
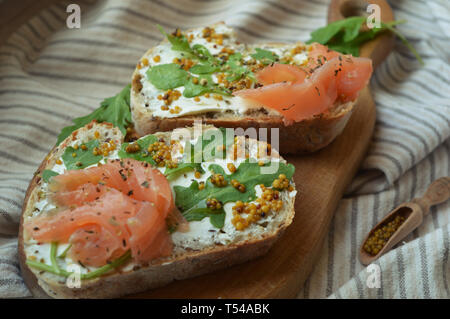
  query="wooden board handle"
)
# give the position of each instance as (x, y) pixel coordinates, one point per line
(438, 192)
(380, 47)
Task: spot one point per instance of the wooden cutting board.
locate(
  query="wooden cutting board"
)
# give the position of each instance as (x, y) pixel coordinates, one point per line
(321, 179)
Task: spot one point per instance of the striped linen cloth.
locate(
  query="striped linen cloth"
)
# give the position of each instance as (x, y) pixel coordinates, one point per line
(50, 74)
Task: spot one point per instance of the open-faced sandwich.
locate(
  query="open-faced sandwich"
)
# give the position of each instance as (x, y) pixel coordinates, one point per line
(107, 218)
(307, 91)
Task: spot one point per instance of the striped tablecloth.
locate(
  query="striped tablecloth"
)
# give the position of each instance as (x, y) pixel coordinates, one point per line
(50, 74)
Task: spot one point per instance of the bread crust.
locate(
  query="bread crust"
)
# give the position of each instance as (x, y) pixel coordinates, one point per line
(302, 137)
(156, 274)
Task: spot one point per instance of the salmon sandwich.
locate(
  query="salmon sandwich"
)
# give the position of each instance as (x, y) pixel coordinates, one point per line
(105, 218)
(307, 91)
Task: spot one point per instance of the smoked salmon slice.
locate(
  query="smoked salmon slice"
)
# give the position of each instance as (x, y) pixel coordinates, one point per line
(299, 94)
(318, 55)
(281, 72)
(106, 210)
(133, 178)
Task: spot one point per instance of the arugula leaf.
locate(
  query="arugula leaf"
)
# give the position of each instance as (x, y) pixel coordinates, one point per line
(210, 86)
(204, 69)
(108, 267)
(390, 27)
(265, 56)
(235, 69)
(178, 43)
(205, 149)
(54, 269)
(167, 76)
(352, 47)
(182, 44)
(47, 174)
(346, 36)
(172, 173)
(200, 211)
(115, 110)
(247, 173)
(220, 90)
(350, 28)
(192, 90)
(208, 63)
(142, 154)
(217, 219)
(82, 158)
(64, 253)
(203, 53)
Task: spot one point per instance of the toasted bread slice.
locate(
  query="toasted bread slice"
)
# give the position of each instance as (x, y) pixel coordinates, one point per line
(189, 258)
(306, 136)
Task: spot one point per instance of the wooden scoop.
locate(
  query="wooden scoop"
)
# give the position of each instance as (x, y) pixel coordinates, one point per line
(413, 212)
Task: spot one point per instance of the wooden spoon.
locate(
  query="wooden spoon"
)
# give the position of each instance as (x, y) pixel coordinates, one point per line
(413, 212)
